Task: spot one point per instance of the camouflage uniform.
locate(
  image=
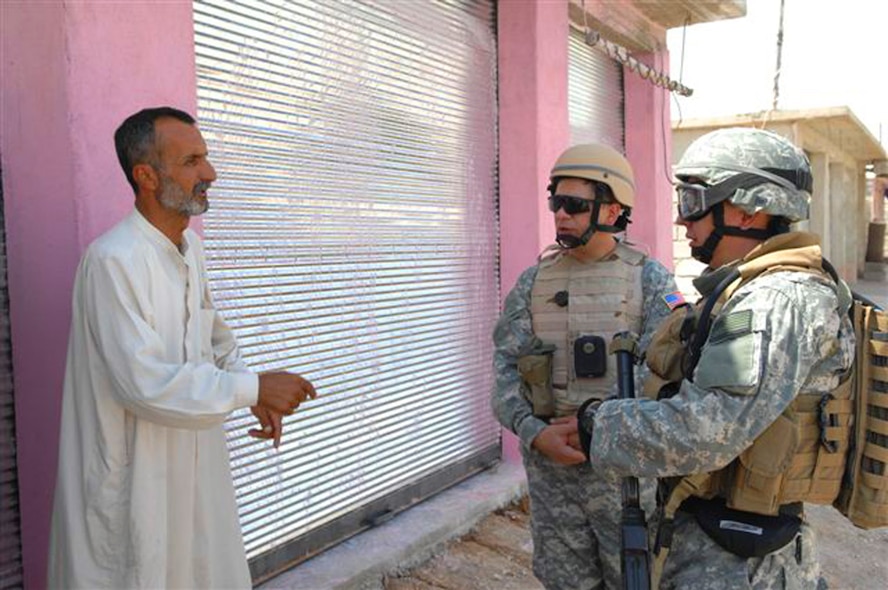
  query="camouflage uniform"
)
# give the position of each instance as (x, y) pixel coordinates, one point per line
(800, 344)
(574, 510)
(788, 337)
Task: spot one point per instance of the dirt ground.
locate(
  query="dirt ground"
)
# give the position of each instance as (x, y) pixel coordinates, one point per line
(497, 556)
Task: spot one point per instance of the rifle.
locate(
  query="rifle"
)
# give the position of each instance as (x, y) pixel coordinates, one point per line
(634, 553)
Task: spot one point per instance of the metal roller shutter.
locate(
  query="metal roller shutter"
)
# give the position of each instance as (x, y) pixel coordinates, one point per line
(10, 526)
(595, 95)
(352, 237)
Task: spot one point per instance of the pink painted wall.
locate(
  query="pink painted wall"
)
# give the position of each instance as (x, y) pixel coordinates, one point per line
(649, 149)
(533, 130)
(65, 90)
(71, 72)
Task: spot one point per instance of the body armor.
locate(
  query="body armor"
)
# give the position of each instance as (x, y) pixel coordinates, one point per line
(574, 302)
(800, 457)
(815, 451)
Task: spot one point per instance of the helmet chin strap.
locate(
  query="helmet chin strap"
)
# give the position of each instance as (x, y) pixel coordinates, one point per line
(569, 242)
(705, 252)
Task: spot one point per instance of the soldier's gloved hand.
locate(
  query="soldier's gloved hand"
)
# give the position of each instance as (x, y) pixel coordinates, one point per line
(554, 442)
(585, 423)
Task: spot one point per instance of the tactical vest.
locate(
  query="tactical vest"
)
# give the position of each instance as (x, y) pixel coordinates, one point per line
(826, 448)
(801, 456)
(599, 298)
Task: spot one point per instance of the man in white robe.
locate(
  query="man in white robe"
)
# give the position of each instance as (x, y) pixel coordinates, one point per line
(144, 497)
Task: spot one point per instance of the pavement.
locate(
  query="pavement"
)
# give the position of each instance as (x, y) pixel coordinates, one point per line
(475, 536)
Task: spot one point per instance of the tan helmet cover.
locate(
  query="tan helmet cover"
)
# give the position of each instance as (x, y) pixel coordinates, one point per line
(601, 163)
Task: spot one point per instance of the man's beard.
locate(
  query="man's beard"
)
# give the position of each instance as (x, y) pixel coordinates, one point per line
(174, 198)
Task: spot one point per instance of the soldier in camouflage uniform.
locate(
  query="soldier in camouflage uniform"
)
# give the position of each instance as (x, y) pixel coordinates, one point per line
(589, 286)
(777, 337)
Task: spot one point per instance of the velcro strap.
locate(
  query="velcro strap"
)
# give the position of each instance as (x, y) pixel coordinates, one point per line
(876, 398)
(873, 481)
(876, 452)
(808, 404)
(876, 425)
(836, 433)
(879, 373)
(840, 406)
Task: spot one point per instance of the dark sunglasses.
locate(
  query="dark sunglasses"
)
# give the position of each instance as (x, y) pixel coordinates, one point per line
(571, 205)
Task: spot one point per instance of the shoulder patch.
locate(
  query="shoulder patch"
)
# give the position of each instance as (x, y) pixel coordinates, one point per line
(731, 326)
(674, 300)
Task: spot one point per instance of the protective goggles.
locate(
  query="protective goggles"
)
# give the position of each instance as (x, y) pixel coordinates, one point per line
(571, 205)
(695, 200)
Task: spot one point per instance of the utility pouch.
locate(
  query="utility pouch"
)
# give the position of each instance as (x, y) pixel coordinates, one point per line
(536, 371)
(760, 471)
(666, 351)
(590, 356)
(745, 534)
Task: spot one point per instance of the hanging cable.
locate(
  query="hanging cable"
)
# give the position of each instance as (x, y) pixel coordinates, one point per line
(776, 96)
(684, 34)
(620, 54)
(779, 55)
(667, 169)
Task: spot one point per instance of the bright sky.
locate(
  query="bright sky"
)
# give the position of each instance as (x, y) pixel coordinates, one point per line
(835, 53)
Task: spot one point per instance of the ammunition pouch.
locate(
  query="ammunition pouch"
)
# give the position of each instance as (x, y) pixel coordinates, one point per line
(666, 352)
(536, 372)
(745, 534)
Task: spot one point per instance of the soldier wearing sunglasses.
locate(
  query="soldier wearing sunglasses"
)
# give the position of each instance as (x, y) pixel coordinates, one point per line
(752, 388)
(551, 357)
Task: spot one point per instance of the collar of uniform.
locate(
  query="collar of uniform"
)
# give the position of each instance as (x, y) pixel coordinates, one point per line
(157, 236)
(709, 280)
(788, 241)
(806, 244)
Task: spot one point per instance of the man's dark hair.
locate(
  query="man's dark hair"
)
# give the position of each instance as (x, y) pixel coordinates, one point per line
(603, 192)
(134, 139)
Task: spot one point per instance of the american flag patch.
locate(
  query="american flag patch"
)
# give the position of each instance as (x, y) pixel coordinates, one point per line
(674, 300)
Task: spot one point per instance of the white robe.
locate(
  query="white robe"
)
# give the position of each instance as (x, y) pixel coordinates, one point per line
(144, 497)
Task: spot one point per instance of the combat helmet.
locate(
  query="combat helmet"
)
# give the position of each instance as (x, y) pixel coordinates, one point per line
(612, 181)
(752, 169)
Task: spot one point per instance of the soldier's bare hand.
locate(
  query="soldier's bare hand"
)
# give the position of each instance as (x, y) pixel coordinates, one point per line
(554, 442)
(282, 392)
(573, 438)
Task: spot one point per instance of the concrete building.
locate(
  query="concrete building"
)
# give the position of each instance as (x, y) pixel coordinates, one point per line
(840, 148)
(382, 168)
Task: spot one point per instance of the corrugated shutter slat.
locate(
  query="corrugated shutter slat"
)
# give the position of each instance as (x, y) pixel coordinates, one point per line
(11, 574)
(352, 237)
(595, 95)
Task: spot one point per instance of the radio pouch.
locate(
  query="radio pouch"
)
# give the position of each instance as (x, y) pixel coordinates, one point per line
(590, 356)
